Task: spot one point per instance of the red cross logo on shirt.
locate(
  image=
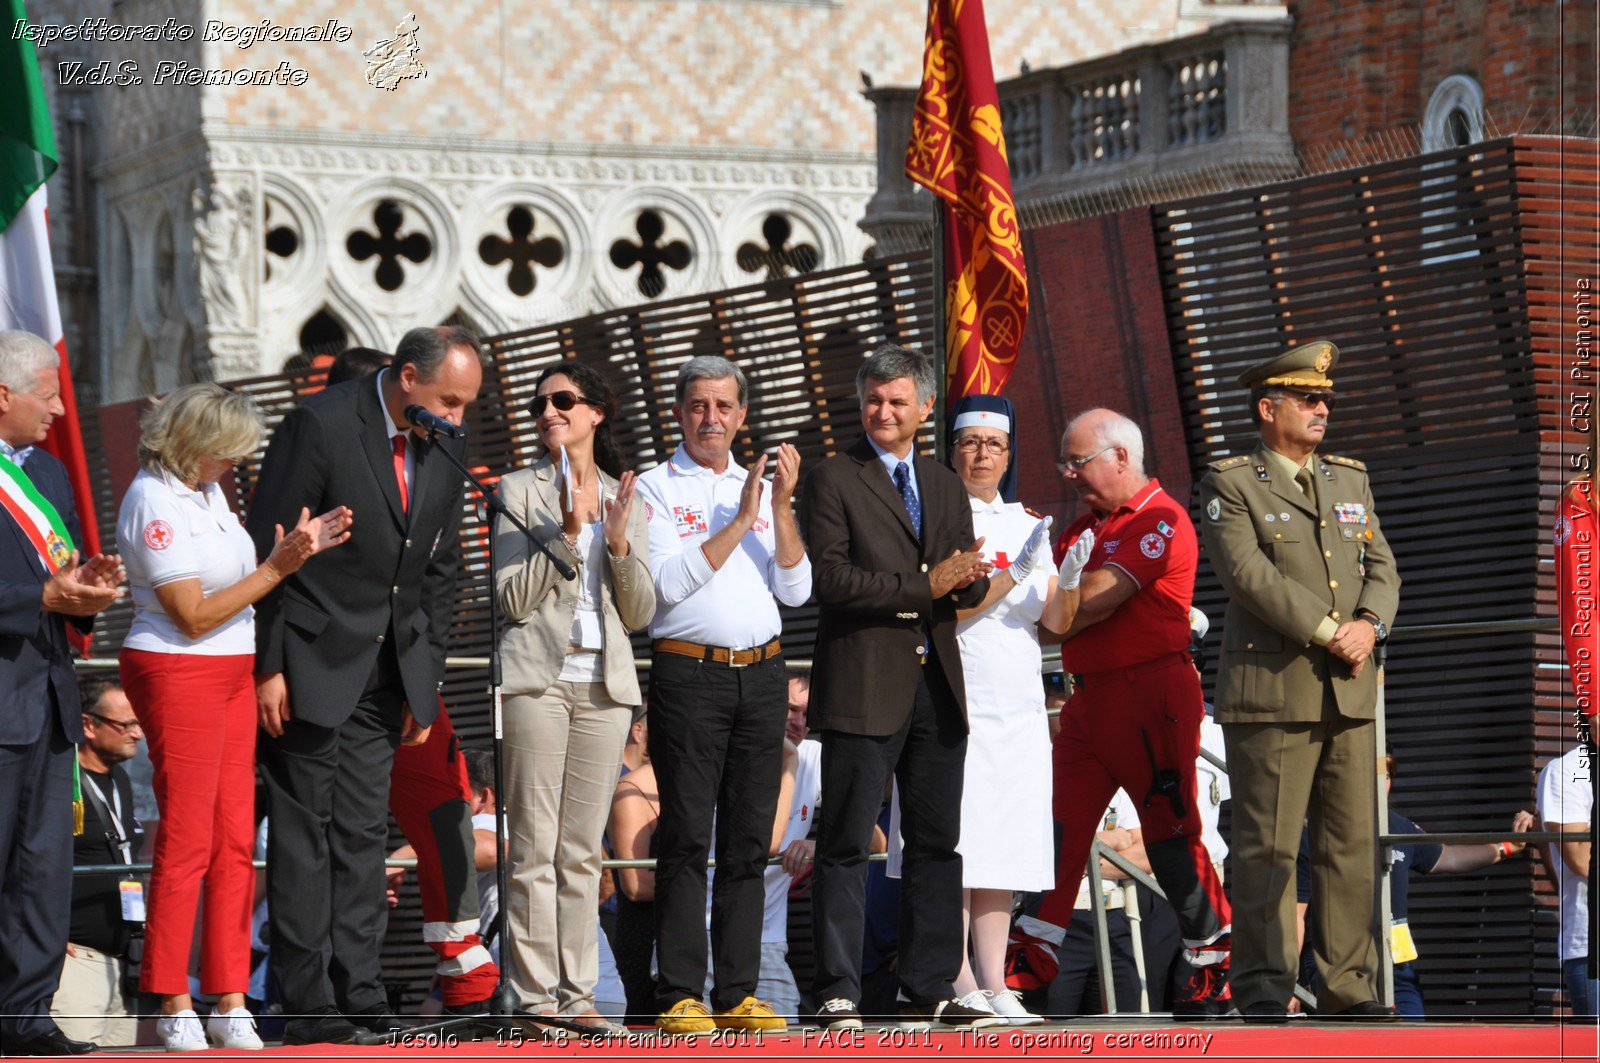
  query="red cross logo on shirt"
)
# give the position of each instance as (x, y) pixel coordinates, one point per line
(158, 535)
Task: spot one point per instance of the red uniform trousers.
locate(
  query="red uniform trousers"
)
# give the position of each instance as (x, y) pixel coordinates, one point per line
(1138, 728)
(430, 798)
(199, 714)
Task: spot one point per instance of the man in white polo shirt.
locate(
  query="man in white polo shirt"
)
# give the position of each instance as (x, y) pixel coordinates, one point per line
(724, 551)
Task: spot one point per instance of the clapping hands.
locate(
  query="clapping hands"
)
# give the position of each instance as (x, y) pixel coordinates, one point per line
(1032, 553)
(1071, 571)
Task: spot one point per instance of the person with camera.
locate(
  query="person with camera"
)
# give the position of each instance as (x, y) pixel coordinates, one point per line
(100, 976)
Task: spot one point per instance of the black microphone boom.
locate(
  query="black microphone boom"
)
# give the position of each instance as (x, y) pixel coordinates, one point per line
(432, 423)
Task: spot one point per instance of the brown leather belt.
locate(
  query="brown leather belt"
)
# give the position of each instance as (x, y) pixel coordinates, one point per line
(719, 654)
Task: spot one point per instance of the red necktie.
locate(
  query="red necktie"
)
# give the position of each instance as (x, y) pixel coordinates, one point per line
(400, 470)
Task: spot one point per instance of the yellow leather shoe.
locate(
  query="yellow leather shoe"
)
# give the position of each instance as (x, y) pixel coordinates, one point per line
(751, 1014)
(686, 1016)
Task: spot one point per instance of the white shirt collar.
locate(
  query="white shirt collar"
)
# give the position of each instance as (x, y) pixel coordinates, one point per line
(980, 506)
(890, 461)
(18, 455)
(181, 489)
(377, 382)
(684, 464)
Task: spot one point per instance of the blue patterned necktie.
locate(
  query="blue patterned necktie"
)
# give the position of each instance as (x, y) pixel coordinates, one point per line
(902, 480)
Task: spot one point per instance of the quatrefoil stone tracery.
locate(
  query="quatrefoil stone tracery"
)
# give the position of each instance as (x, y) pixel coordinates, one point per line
(388, 245)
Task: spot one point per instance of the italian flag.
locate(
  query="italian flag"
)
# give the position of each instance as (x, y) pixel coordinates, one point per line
(27, 278)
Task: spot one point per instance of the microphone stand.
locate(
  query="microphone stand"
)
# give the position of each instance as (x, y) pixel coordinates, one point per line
(502, 1003)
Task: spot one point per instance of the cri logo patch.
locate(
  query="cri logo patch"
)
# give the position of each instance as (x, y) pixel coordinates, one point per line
(158, 535)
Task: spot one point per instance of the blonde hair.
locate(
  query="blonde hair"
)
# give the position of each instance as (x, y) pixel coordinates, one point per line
(194, 423)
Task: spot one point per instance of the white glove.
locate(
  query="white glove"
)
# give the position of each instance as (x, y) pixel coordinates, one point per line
(1071, 570)
(1037, 546)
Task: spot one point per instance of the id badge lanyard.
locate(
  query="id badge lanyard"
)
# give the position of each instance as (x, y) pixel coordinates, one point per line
(130, 890)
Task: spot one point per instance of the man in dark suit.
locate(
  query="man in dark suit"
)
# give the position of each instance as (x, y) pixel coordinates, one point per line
(349, 660)
(890, 535)
(43, 587)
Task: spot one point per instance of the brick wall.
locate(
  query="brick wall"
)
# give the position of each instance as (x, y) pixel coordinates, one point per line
(1096, 336)
(1365, 71)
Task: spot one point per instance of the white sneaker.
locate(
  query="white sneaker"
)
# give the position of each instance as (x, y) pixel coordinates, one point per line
(181, 1032)
(1008, 1007)
(234, 1029)
(978, 1000)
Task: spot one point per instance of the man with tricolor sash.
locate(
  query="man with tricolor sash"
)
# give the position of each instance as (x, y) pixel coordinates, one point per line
(44, 586)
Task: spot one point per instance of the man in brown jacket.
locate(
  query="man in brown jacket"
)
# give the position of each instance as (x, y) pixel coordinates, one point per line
(1312, 586)
(893, 556)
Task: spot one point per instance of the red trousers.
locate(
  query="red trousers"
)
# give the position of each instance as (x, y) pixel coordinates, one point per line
(431, 800)
(1139, 729)
(199, 715)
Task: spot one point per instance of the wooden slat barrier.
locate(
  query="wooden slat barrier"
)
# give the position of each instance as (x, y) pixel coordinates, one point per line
(1436, 276)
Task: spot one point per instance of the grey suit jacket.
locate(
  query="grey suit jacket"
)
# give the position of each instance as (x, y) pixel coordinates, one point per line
(538, 605)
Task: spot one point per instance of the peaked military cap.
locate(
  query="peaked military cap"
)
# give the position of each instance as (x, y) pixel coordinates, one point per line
(1305, 366)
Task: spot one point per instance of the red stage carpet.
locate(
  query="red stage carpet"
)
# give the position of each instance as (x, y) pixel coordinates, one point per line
(1096, 1038)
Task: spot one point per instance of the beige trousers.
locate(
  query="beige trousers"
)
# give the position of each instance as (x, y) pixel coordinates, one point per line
(89, 1006)
(562, 752)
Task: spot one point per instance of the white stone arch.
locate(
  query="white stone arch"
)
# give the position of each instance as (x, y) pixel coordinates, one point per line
(557, 290)
(429, 285)
(1457, 94)
(144, 218)
(116, 282)
(303, 280)
(743, 223)
(686, 218)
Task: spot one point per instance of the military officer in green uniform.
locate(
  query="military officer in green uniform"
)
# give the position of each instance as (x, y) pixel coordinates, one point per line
(1294, 537)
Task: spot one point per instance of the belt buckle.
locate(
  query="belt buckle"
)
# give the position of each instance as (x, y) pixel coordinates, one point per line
(733, 658)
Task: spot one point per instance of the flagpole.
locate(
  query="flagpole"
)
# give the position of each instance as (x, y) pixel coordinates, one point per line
(941, 337)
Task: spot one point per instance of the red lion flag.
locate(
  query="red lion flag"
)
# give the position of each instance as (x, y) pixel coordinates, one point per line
(958, 152)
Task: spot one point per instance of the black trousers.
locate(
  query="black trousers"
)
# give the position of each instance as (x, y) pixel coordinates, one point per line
(35, 878)
(927, 756)
(1077, 989)
(716, 741)
(328, 803)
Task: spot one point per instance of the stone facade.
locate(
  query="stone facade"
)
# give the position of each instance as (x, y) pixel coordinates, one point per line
(501, 164)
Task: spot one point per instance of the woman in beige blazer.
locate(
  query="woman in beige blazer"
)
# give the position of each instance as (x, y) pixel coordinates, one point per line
(569, 683)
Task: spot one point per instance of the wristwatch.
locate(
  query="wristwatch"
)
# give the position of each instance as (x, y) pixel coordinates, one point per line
(1378, 626)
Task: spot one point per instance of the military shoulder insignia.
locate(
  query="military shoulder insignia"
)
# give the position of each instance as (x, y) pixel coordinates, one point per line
(1224, 464)
(1335, 459)
(1214, 509)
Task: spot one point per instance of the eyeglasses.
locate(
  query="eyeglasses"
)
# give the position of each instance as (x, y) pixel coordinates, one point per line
(1075, 465)
(972, 444)
(561, 400)
(123, 726)
(1309, 400)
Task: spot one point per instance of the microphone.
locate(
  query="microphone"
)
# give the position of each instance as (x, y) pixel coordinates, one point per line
(433, 423)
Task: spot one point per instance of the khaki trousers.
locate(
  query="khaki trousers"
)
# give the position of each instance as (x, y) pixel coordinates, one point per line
(562, 752)
(1280, 775)
(89, 1006)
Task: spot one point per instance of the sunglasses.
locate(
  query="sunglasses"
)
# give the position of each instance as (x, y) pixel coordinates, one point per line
(561, 400)
(1308, 400)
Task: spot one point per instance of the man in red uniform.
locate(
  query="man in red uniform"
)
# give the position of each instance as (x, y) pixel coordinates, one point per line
(431, 800)
(1134, 718)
